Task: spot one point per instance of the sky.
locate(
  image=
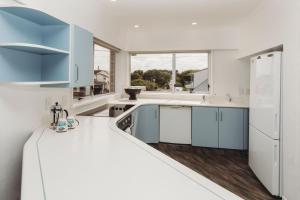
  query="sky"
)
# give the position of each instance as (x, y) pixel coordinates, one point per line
(184, 61)
(101, 58)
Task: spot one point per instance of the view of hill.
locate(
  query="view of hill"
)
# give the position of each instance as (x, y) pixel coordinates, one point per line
(156, 79)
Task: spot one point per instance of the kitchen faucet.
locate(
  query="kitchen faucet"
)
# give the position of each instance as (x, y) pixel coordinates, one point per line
(229, 97)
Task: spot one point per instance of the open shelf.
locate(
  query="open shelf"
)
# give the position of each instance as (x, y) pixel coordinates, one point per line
(35, 16)
(41, 83)
(33, 48)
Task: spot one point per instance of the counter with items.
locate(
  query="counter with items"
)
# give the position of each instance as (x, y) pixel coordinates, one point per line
(97, 160)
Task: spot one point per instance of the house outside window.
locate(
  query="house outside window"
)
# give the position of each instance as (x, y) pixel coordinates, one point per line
(102, 70)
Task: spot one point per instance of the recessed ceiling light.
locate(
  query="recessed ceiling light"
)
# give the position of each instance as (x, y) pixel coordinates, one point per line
(113, 0)
(136, 26)
(194, 23)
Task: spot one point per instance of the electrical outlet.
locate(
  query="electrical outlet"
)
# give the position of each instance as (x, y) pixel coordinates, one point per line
(247, 91)
(241, 91)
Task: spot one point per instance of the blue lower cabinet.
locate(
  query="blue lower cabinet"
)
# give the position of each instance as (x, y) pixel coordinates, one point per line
(231, 128)
(205, 127)
(147, 123)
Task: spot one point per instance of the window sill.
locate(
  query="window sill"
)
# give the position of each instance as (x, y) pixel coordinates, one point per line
(174, 93)
(93, 99)
(170, 95)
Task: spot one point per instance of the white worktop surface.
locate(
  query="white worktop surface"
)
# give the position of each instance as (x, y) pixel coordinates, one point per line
(99, 161)
(211, 103)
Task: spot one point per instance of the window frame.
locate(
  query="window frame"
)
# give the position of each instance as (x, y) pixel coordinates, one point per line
(209, 64)
(112, 62)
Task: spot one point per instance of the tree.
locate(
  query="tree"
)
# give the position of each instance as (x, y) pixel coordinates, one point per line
(138, 74)
(161, 77)
(185, 77)
(150, 86)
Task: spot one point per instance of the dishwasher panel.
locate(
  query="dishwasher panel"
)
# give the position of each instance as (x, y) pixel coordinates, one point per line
(175, 124)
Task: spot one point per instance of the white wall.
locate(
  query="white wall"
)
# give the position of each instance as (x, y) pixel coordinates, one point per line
(122, 71)
(229, 74)
(278, 22)
(182, 39)
(263, 28)
(22, 110)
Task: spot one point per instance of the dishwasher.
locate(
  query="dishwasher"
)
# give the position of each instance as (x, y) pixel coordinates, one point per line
(176, 124)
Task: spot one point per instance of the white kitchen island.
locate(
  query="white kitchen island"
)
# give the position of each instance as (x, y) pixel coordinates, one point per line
(99, 161)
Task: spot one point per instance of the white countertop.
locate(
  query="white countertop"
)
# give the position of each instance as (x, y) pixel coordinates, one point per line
(208, 103)
(99, 161)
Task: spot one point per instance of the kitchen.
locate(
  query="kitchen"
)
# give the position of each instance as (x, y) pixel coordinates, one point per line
(26, 99)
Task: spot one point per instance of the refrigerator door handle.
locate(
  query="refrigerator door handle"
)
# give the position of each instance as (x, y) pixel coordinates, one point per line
(276, 122)
(275, 155)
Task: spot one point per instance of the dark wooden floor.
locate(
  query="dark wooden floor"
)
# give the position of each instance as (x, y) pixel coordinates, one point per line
(228, 168)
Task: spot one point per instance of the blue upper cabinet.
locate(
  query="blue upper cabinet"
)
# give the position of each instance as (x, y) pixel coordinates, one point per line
(231, 128)
(48, 50)
(205, 127)
(81, 57)
(40, 42)
(147, 123)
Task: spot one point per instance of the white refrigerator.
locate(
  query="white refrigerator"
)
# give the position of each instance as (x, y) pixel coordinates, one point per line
(264, 124)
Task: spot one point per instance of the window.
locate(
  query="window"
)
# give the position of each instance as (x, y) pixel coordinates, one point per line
(192, 72)
(101, 70)
(104, 72)
(154, 71)
(179, 72)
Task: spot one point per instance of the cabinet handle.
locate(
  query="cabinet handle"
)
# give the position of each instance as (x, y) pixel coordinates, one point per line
(275, 154)
(221, 116)
(131, 126)
(216, 116)
(77, 73)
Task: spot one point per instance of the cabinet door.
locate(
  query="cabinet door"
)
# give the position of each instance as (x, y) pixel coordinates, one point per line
(147, 127)
(205, 127)
(82, 57)
(231, 128)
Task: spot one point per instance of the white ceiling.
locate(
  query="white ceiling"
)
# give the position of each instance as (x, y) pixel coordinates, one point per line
(166, 13)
